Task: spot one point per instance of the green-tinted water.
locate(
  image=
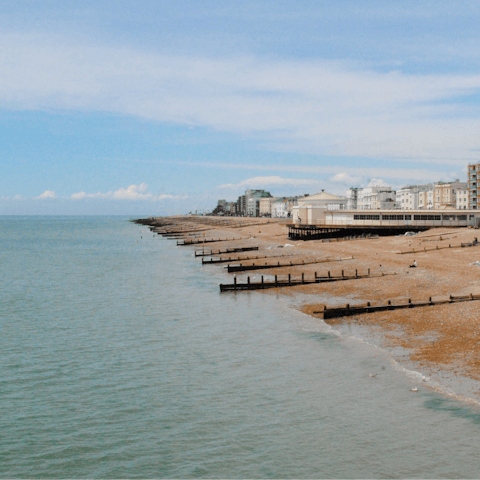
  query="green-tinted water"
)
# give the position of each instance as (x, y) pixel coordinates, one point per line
(119, 358)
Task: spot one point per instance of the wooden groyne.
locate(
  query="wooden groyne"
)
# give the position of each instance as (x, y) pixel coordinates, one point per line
(215, 259)
(349, 310)
(210, 253)
(205, 240)
(292, 282)
(245, 268)
(425, 249)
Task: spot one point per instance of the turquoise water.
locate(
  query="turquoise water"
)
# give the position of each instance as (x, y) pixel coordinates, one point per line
(119, 358)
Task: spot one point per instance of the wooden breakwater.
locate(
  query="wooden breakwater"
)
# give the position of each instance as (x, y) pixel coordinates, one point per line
(292, 282)
(205, 240)
(245, 268)
(210, 253)
(216, 259)
(425, 249)
(349, 310)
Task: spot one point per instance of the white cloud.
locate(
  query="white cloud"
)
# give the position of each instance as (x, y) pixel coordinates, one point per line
(377, 182)
(46, 194)
(133, 192)
(318, 106)
(346, 179)
(268, 181)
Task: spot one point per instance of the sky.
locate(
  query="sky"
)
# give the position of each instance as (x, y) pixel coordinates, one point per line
(161, 107)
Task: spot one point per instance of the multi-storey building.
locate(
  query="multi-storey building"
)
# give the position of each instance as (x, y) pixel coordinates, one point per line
(445, 194)
(376, 198)
(462, 199)
(425, 200)
(473, 190)
(253, 198)
(408, 197)
(265, 206)
(352, 198)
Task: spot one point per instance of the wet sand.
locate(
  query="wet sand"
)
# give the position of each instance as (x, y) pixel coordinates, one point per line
(442, 338)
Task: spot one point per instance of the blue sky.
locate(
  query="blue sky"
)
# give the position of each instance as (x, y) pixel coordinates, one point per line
(156, 107)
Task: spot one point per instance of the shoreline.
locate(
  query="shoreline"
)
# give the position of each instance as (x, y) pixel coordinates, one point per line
(441, 341)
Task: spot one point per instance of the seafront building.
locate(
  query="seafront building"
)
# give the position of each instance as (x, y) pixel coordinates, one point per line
(252, 200)
(376, 197)
(442, 196)
(265, 206)
(413, 197)
(445, 194)
(473, 190)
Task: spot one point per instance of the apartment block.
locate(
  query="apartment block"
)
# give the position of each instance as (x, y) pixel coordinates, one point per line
(445, 194)
(473, 191)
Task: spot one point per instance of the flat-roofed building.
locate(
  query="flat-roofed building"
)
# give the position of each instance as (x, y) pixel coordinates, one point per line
(408, 197)
(394, 218)
(376, 198)
(265, 206)
(462, 199)
(445, 194)
(473, 186)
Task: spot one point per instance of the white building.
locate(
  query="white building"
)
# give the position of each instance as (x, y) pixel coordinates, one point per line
(352, 198)
(408, 197)
(445, 194)
(376, 198)
(313, 207)
(462, 199)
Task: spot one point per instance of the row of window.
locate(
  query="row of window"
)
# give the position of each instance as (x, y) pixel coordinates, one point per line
(409, 217)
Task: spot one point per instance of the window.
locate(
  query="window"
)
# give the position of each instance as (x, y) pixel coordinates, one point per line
(366, 217)
(427, 217)
(461, 217)
(392, 217)
(408, 217)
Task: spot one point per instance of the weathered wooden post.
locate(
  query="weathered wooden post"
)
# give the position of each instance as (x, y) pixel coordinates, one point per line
(275, 279)
(262, 279)
(342, 274)
(303, 277)
(389, 302)
(289, 278)
(248, 280)
(235, 283)
(369, 272)
(356, 274)
(329, 274)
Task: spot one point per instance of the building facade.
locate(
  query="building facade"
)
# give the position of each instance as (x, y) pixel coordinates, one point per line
(376, 198)
(445, 194)
(473, 191)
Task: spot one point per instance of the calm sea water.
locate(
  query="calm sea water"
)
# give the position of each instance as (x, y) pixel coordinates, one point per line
(119, 358)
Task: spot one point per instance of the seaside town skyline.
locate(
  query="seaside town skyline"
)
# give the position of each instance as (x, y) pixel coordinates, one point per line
(161, 108)
(454, 194)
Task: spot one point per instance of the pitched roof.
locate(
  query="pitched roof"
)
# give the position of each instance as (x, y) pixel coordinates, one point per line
(322, 196)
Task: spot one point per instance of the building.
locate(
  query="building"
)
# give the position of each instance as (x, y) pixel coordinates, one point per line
(376, 198)
(311, 207)
(473, 192)
(265, 206)
(445, 194)
(352, 198)
(394, 218)
(252, 200)
(408, 197)
(283, 207)
(462, 199)
(425, 199)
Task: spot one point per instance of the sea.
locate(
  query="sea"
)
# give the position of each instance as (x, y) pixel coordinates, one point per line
(119, 358)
